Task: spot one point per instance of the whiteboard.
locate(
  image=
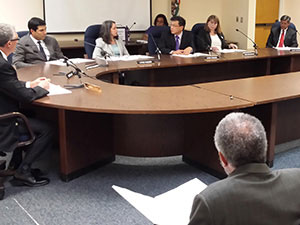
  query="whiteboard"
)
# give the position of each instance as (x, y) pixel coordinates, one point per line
(63, 16)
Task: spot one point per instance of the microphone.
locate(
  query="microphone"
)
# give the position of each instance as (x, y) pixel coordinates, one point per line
(77, 72)
(103, 53)
(254, 44)
(129, 29)
(157, 50)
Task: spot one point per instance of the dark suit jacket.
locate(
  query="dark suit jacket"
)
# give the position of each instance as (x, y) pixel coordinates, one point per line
(13, 92)
(167, 41)
(27, 53)
(204, 41)
(290, 39)
(252, 194)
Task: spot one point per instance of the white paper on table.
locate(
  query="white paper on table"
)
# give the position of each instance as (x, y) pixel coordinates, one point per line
(129, 57)
(225, 50)
(287, 48)
(170, 208)
(57, 90)
(197, 54)
(60, 62)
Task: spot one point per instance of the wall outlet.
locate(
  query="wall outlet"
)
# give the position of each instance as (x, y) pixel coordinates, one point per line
(241, 20)
(237, 19)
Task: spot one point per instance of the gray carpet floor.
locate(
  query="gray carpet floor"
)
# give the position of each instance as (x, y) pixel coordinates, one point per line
(90, 199)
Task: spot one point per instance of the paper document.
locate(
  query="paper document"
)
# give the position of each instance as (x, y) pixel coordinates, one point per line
(129, 57)
(197, 54)
(225, 50)
(57, 90)
(170, 208)
(60, 62)
(287, 48)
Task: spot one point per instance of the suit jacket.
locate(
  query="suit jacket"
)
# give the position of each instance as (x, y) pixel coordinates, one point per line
(203, 41)
(290, 39)
(13, 92)
(252, 194)
(107, 47)
(27, 53)
(167, 41)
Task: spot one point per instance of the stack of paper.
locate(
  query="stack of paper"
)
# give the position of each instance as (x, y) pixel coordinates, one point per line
(171, 208)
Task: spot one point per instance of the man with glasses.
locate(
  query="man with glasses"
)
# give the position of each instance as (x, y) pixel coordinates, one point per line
(283, 35)
(12, 93)
(177, 40)
(36, 47)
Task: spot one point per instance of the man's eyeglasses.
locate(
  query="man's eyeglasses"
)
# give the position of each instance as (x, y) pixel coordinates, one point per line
(15, 39)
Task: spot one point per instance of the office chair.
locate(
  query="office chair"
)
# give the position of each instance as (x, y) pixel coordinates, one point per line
(195, 30)
(90, 36)
(20, 34)
(156, 32)
(24, 140)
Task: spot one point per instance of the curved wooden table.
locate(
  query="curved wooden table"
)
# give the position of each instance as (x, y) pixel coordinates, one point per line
(152, 121)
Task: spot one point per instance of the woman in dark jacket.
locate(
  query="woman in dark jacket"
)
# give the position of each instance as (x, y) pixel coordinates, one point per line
(211, 38)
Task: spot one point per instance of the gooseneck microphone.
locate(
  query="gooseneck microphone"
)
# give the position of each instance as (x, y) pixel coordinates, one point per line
(129, 29)
(103, 53)
(254, 44)
(157, 50)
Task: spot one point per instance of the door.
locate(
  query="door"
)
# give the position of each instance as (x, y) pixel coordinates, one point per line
(267, 12)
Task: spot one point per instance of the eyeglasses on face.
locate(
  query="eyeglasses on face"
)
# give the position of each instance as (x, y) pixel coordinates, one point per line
(15, 39)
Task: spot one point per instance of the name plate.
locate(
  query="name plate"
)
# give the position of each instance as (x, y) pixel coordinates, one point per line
(146, 61)
(295, 49)
(249, 54)
(212, 57)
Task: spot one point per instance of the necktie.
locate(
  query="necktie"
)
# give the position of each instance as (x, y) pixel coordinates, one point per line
(281, 39)
(42, 52)
(177, 42)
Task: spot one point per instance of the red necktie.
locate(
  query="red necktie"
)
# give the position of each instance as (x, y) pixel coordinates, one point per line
(281, 39)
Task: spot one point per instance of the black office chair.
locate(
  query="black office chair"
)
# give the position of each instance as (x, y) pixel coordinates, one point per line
(20, 34)
(90, 36)
(195, 30)
(24, 140)
(156, 32)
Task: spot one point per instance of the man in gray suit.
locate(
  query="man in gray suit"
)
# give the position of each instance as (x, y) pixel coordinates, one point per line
(252, 193)
(36, 47)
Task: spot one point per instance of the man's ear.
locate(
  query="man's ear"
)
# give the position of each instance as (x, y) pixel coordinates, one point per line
(223, 159)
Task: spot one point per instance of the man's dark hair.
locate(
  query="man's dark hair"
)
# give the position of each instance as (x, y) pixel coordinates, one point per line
(180, 20)
(34, 22)
(285, 18)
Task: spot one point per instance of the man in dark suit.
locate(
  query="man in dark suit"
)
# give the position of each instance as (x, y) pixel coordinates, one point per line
(252, 193)
(36, 47)
(177, 40)
(283, 35)
(12, 93)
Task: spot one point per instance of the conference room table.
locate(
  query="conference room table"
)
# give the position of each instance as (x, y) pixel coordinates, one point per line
(174, 109)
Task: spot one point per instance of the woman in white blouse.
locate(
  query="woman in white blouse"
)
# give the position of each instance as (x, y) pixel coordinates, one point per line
(109, 41)
(211, 38)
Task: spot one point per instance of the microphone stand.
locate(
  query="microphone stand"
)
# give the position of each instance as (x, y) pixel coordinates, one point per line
(77, 71)
(157, 50)
(254, 44)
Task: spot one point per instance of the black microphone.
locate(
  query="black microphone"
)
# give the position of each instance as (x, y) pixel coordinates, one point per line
(157, 50)
(254, 44)
(129, 29)
(103, 53)
(77, 72)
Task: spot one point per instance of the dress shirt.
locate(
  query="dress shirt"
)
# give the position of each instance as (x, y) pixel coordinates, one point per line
(43, 45)
(281, 30)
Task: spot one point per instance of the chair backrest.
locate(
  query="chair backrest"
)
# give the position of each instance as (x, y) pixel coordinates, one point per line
(20, 34)
(195, 30)
(155, 32)
(90, 36)
(277, 24)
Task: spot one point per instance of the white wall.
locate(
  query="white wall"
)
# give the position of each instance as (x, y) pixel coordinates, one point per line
(291, 8)
(20, 12)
